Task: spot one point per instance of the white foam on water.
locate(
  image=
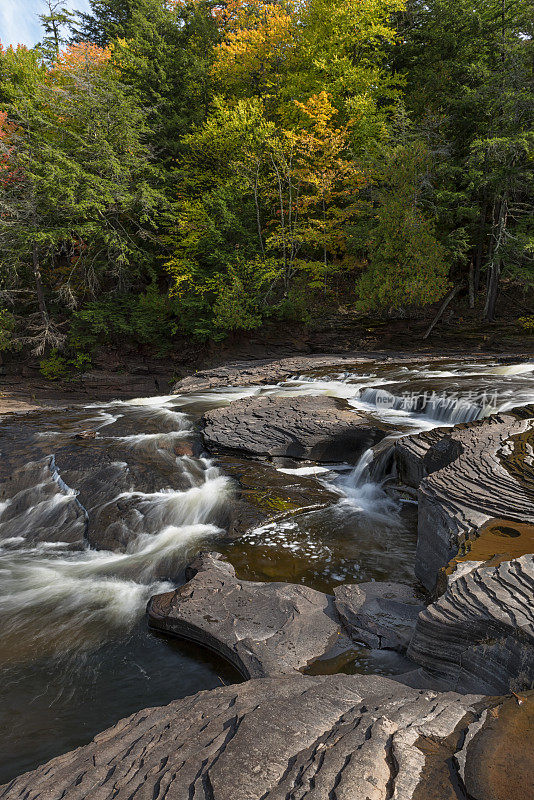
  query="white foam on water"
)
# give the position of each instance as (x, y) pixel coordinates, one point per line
(342, 389)
(513, 369)
(304, 471)
(361, 494)
(190, 507)
(53, 600)
(140, 439)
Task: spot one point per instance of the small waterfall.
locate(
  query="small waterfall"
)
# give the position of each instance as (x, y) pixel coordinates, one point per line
(363, 490)
(447, 410)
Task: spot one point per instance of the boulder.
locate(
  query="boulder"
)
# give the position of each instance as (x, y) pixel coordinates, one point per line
(381, 614)
(342, 736)
(480, 632)
(263, 629)
(320, 429)
(269, 629)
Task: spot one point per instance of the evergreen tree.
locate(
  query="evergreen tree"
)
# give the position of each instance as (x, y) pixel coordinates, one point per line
(78, 209)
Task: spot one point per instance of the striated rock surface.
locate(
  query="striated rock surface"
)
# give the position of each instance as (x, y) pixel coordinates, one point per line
(315, 428)
(381, 614)
(344, 737)
(268, 629)
(480, 632)
(467, 477)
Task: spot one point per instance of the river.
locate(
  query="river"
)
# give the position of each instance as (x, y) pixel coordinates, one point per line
(102, 505)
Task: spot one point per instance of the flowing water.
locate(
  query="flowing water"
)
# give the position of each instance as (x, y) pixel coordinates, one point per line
(101, 507)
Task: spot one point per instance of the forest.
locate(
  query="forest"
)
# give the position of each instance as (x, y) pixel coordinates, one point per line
(201, 167)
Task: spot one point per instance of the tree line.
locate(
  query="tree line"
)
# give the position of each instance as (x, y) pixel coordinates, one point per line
(202, 166)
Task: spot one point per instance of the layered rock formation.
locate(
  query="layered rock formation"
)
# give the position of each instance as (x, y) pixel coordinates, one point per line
(468, 476)
(480, 632)
(312, 428)
(475, 539)
(261, 371)
(341, 736)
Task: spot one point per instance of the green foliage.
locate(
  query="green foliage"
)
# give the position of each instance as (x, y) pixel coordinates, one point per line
(200, 168)
(54, 367)
(527, 324)
(146, 319)
(407, 264)
(7, 326)
(57, 367)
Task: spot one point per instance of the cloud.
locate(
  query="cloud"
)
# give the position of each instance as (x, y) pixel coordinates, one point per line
(19, 20)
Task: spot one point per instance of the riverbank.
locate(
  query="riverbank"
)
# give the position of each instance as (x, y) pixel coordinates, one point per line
(127, 371)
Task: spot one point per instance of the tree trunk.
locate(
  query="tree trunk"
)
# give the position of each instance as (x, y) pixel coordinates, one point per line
(492, 293)
(472, 284)
(494, 270)
(448, 299)
(479, 252)
(39, 287)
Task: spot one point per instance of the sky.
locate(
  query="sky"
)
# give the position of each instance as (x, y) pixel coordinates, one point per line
(19, 23)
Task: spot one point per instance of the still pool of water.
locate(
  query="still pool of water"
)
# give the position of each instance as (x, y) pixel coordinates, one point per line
(101, 506)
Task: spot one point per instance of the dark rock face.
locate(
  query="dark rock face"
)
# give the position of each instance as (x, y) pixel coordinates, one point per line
(467, 476)
(381, 614)
(268, 629)
(348, 737)
(481, 631)
(315, 428)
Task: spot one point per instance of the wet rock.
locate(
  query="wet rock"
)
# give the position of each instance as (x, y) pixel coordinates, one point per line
(263, 629)
(381, 614)
(268, 629)
(468, 476)
(479, 635)
(495, 762)
(261, 371)
(312, 428)
(263, 494)
(86, 435)
(331, 736)
(37, 505)
(420, 455)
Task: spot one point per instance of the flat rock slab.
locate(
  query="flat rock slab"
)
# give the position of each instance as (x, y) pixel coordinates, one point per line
(348, 737)
(266, 370)
(480, 633)
(261, 628)
(268, 629)
(306, 428)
